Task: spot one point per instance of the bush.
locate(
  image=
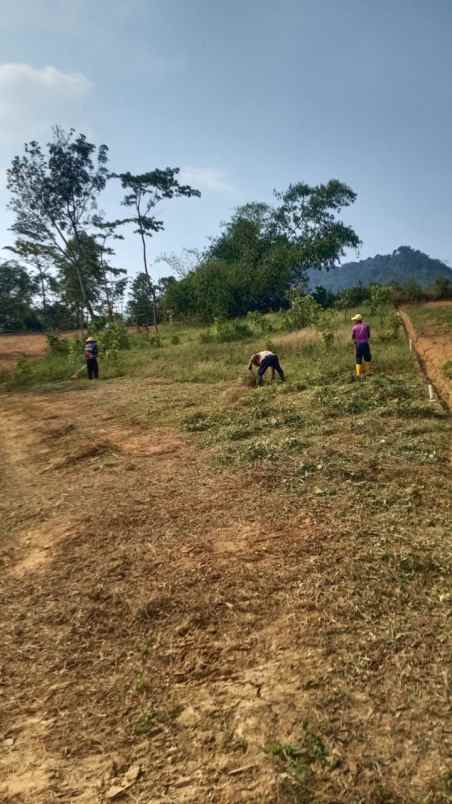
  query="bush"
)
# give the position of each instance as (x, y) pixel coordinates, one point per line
(326, 325)
(259, 324)
(304, 311)
(57, 345)
(226, 331)
(114, 336)
(175, 340)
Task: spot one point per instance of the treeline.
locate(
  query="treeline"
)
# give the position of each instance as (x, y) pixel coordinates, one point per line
(60, 273)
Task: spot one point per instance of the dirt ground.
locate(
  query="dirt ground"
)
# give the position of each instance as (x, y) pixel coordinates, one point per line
(14, 346)
(164, 622)
(434, 350)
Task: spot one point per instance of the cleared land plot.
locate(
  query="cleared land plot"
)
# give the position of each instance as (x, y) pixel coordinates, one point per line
(212, 593)
(430, 326)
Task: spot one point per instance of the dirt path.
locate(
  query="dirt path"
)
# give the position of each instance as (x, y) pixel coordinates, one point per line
(163, 623)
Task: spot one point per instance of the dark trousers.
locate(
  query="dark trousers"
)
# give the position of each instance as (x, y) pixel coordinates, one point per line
(363, 353)
(272, 361)
(93, 368)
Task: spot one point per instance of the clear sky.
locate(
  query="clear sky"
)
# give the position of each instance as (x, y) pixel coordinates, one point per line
(245, 97)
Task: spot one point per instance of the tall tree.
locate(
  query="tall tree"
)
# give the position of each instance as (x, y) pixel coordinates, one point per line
(54, 193)
(114, 279)
(143, 193)
(103, 284)
(308, 218)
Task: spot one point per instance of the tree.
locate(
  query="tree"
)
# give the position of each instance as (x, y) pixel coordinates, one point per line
(38, 258)
(140, 304)
(143, 194)
(114, 285)
(16, 297)
(54, 194)
(263, 252)
(308, 218)
(103, 284)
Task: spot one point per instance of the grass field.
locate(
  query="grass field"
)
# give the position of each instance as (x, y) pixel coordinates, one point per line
(223, 593)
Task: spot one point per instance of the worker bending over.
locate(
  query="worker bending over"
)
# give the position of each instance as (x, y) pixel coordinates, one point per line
(91, 358)
(360, 337)
(265, 360)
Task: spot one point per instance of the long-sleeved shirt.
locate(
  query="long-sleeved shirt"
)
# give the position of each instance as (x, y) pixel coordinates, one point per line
(90, 350)
(361, 332)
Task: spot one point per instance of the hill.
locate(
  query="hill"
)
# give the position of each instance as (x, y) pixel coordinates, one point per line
(402, 266)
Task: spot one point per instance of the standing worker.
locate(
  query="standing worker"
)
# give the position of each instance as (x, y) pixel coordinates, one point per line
(265, 360)
(360, 337)
(91, 358)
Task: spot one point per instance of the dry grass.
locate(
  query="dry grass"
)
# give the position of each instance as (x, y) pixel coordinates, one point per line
(223, 573)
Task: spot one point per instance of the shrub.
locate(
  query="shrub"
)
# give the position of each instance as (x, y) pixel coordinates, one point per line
(326, 325)
(303, 312)
(57, 345)
(114, 336)
(258, 323)
(226, 331)
(175, 340)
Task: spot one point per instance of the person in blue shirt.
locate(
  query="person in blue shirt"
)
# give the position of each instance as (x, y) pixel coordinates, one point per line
(92, 365)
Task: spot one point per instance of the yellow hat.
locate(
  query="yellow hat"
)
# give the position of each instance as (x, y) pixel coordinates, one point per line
(89, 339)
(357, 317)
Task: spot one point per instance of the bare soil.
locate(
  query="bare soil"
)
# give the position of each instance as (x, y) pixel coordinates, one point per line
(163, 622)
(434, 349)
(33, 345)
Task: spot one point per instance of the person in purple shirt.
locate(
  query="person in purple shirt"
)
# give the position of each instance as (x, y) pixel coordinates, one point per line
(360, 337)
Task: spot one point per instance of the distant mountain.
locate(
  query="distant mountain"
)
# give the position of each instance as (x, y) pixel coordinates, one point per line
(402, 266)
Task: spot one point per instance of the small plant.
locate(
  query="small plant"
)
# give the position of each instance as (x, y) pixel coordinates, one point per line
(57, 345)
(113, 337)
(299, 759)
(326, 325)
(175, 340)
(145, 723)
(23, 373)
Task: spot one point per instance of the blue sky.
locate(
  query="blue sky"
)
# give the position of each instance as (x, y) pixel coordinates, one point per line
(245, 97)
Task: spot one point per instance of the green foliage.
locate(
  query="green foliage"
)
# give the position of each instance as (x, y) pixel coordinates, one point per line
(140, 310)
(53, 194)
(301, 759)
(16, 298)
(226, 332)
(379, 297)
(258, 323)
(262, 251)
(304, 311)
(113, 337)
(57, 345)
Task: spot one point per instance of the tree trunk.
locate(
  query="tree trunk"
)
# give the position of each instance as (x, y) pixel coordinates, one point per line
(150, 285)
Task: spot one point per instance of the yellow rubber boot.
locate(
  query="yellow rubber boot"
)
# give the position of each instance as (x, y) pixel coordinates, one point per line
(358, 369)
